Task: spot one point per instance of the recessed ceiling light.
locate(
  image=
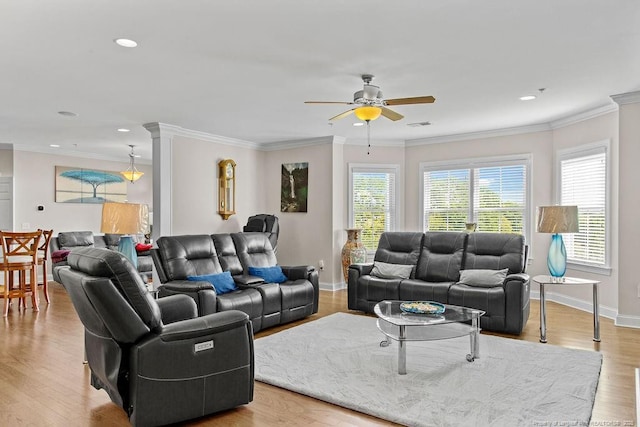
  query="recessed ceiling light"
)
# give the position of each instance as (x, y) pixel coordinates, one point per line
(527, 98)
(126, 42)
(54, 146)
(358, 124)
(123, 130)
(68, 113)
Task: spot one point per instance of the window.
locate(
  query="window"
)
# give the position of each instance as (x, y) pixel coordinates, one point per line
(583, 182)
(372, 201)
(492, 193)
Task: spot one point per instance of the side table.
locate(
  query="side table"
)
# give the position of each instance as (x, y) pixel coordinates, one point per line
(543, 281)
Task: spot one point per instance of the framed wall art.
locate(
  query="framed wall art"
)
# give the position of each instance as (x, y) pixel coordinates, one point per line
(294, 183)
(78, 185)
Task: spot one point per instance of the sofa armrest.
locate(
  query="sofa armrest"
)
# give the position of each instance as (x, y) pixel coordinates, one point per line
(175, 308)
(362, 269)
(309, 273)
(355, 272)
(205, 325)
(297, 272)
(202, 293)
(517, 294)
(517, 277)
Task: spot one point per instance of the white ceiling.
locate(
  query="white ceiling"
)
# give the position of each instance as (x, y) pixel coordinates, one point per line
(242, 69)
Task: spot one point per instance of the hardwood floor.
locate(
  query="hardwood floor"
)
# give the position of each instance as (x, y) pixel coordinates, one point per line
(43, 381)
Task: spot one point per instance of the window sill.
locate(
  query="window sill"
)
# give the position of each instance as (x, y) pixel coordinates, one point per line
(605, 271)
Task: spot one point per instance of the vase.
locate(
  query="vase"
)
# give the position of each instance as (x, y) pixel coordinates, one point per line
(557, 258)
(353, 251)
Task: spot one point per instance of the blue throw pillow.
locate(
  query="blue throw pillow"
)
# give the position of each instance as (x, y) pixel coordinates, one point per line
(222, 282)
(269, 274)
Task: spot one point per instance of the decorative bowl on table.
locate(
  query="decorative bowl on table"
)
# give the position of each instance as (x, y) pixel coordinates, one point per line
(422, 307)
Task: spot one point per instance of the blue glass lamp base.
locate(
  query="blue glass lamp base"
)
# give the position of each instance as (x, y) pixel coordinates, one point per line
(127, 247)
(557, 258)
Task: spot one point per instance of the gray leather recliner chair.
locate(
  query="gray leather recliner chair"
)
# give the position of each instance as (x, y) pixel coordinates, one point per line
(155, 358)
(265, 223)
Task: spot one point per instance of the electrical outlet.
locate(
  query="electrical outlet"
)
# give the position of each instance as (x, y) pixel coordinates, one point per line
(321, 265)
(26, 226)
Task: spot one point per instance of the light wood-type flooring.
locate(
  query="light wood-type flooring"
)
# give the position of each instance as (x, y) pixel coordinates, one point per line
(44, 383)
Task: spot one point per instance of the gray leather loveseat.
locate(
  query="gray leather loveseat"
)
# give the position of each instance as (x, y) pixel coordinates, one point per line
(478, 270)
(180, 260)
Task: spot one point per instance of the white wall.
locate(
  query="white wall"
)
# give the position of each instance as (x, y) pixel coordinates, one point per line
(6, 160)
(629, 166)
(305, 238)
(319, 234)
(34, 185)
(388, 155)
(537, 144)
(597, 129)
(195, 186)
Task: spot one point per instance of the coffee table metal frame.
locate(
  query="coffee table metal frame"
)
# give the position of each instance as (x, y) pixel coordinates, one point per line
(402, 327)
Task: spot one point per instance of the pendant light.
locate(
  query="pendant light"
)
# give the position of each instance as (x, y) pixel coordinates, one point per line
(132, 174)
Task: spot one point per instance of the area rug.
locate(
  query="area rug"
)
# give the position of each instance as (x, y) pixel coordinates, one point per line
(338, 359)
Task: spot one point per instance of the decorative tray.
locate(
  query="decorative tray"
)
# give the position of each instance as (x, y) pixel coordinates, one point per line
(422, 307)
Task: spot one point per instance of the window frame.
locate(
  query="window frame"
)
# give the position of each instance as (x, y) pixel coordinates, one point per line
(585, 150)
(475, 163)
(375, 168)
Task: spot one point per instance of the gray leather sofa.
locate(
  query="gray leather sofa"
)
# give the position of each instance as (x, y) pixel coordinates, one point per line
(70, 240)
(156, 359)
(267, 304)
(438, 258)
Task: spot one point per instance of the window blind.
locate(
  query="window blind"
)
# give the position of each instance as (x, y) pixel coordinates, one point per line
(446, 199)
(583, 183)
(373, 203)
(493, 196)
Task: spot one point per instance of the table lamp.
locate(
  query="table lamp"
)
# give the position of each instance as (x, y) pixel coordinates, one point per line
(125, 219)
(556, 220)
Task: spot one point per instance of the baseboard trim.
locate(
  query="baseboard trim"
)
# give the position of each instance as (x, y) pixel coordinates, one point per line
(628, 321)
(325, 286)
(605, 311)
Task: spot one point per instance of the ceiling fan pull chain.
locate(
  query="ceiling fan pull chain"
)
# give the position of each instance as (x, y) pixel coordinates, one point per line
(368, 138)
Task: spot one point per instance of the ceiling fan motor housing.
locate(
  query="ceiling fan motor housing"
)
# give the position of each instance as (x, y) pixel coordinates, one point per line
(370, 95)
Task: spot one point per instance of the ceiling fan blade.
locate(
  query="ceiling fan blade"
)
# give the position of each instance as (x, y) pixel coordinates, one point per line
(342, 115)
(390, 114)
(414, 100)
(328, 102)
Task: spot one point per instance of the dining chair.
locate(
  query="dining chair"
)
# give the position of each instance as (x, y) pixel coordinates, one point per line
(43, 256)
(20, 255)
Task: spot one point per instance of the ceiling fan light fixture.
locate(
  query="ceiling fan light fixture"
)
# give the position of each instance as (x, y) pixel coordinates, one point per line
(368, 113)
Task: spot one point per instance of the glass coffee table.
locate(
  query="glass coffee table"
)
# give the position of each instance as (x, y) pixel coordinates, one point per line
(401, 326)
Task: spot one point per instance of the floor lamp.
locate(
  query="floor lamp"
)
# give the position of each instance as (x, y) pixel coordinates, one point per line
(556, 220)
(125, 219)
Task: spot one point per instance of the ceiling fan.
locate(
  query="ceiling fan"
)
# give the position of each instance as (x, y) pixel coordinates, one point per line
(371, 104)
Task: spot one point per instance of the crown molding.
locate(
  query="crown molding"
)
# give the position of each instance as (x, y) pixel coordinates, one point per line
(585, 115)
(156, 129)
(626, 98)
(296, 143)
(80, 154)
(542, 127)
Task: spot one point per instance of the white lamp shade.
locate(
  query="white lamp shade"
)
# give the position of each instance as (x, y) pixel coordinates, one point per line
(558, 219)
